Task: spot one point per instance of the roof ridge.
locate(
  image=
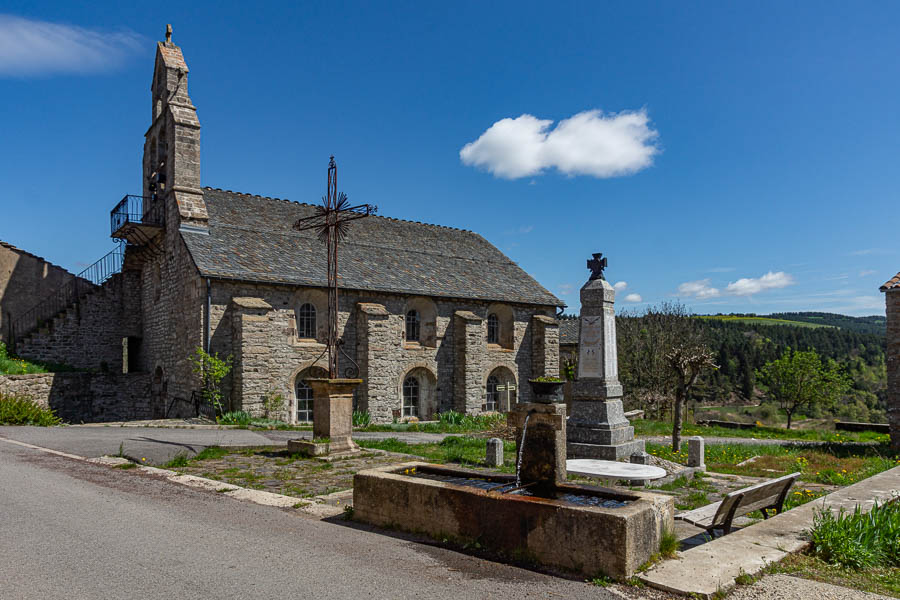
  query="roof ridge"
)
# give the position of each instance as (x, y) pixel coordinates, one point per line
(314, 205)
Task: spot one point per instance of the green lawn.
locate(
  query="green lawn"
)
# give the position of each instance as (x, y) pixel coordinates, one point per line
(762, 321)
(10, 365)
(467, 451)
(645, 427)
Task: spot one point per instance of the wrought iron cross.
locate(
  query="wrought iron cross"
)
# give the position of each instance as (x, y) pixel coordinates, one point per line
(596, 265)
(332, 224)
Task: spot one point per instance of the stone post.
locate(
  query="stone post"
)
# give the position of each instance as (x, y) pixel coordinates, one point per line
(494, 454)
(544, 346)
(333, 412)
(598, 427)
(696, 453)
(639, 458)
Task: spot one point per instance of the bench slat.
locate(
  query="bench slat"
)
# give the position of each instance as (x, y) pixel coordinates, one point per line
(701, 517)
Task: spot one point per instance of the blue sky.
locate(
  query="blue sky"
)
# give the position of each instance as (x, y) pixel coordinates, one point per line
(738, 157)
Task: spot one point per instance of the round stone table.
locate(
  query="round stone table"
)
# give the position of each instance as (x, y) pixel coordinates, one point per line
(610, 470)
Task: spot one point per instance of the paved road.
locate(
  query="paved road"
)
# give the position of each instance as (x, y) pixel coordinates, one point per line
(159, 445)
(73, 530)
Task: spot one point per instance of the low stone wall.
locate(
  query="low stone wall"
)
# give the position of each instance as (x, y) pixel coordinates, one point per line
(85, 397)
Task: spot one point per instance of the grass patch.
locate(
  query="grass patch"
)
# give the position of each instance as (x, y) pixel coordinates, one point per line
(466, 451)
(837, 466)
(22, 410)
(447, 422)
(211, 452)
(179, 460)
(693, 500)
(11, 365)
(648, 427)
(668, 543)
(878, 580)
(241, 418)
(126, 466)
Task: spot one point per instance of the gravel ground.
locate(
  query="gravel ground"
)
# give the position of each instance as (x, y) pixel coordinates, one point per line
(785, 587)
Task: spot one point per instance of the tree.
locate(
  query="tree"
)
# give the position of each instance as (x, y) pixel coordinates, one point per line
(213, 370)
(688, 359)
(800, 380)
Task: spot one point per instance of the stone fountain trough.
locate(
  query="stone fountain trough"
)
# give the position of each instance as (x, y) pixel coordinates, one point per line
(586, 529)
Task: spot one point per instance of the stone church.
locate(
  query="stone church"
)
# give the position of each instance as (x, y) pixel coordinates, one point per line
(436, 318)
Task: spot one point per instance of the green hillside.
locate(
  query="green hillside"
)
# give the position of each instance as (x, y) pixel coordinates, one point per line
(763, 320)
(874, 325)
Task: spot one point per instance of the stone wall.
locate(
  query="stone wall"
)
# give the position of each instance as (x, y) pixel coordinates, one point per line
(892, 302)
(256, 324)
(85, 397)
(90, 334)
(25, 279)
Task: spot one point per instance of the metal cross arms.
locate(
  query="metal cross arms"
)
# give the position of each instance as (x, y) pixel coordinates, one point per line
(596, 265)
(332, 224)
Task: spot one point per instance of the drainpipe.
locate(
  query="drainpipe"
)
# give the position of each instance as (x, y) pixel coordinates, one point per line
(208, 332)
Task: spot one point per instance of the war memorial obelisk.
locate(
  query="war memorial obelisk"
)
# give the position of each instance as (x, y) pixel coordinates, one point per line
(598, 427)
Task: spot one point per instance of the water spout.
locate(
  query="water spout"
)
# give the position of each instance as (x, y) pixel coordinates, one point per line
(521, 450)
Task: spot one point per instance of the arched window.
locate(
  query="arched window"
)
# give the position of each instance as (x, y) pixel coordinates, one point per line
(492, 394)
(410, 397)
(306, 321)
(304, 395)
(493, 332)
(412, 326)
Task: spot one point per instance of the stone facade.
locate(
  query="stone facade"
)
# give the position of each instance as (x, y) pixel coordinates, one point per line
(85, 397)
(25, 279)
(891, 291)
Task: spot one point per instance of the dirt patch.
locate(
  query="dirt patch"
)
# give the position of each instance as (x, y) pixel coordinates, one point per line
(274, 470)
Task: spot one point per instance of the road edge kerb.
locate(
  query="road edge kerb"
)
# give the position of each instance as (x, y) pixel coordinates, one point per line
(316, 508)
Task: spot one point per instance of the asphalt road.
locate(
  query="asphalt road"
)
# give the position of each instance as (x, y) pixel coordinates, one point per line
(73, 530)
(158, 445)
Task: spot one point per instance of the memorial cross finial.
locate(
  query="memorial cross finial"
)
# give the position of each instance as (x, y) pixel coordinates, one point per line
(168, 33)
(596, 265)
(332, 224)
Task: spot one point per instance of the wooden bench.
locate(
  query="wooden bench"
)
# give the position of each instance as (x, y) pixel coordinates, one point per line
(761, 496)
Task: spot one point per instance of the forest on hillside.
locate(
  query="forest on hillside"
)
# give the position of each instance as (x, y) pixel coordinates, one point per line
(740, 350)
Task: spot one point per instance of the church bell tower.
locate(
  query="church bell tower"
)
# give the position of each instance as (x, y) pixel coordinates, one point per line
(172, 143)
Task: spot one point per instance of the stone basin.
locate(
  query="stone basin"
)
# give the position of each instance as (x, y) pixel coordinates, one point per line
(542, 528)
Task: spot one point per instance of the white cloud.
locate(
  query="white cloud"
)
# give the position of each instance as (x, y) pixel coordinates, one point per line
(699, 289)
(753, 285)
(29, 47)
(565, 289)
(865, 272)
(633, 298)
(620, 286)
(589, 143)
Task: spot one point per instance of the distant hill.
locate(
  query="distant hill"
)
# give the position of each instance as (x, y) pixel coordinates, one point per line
(875, 325)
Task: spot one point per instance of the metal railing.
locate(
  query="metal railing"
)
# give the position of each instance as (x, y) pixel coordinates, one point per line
(70, 293)
(134, 209)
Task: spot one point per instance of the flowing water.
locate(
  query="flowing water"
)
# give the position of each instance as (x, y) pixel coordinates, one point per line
(521, 451)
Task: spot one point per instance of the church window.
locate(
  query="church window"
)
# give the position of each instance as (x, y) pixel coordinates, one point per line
(304, 396)
(493, 329)
(306, 321)
(412, 326)
(411, 397)
(492, 394)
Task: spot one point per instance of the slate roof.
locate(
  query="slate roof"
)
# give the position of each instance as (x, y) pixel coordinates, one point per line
(569, 330)
(891, 284)
(251, 239)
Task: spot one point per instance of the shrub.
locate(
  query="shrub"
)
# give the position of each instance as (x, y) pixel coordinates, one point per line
(22, 410)
(858, 540)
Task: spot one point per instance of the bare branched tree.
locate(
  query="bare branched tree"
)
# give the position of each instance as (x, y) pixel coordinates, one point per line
(687, 360)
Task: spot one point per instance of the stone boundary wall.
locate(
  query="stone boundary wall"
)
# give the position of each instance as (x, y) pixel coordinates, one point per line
(85, 397)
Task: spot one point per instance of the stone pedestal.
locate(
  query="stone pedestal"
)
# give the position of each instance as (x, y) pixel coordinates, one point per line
(494, 453)
(598, 427)
(696, 453)
(543, 449)
(333, 412)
